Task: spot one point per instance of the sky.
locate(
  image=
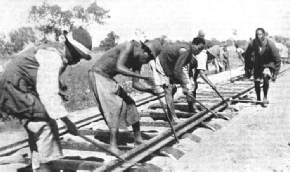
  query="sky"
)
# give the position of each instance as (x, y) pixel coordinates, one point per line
(178, 19)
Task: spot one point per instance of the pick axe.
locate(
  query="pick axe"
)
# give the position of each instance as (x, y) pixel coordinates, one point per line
(75, 132)
(220, 96)
(215, 114)
(229, 106)
(101, 147)
(169, 120)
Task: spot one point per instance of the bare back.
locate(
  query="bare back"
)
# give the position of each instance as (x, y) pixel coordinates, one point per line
(106, 65)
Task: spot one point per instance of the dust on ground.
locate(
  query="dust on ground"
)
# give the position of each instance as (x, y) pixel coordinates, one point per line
(254, 140)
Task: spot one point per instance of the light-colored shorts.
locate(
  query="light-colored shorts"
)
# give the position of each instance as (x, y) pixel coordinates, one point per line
(161, 79)
(259, 77)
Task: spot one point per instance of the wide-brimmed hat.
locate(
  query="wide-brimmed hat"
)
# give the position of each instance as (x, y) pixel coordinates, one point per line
(155, 46)
(81, 40)
(147, 50)
(214, 50)
(201, 33)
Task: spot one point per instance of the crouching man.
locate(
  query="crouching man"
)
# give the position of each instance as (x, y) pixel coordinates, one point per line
(200, 68)
(168, 70)
(116, 106)
(29, 90)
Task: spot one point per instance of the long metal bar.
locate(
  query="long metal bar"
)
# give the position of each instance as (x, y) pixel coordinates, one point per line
(162, 139)
(169, 120)
(14, 147)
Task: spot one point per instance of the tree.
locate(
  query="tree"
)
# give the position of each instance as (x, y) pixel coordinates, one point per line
(280, 39)
(109, 41)
(21, 37)
(163, 39)
(50, 19)
(6, 48)
(214, 41)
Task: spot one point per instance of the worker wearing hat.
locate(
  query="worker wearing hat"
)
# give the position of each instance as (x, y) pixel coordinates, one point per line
(195, 71)
(29, 90)
(116, 106)
(201, 34)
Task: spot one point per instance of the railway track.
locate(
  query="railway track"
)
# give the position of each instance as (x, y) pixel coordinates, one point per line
(155, 131)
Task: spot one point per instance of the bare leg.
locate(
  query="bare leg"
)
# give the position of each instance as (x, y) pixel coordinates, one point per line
(258, 90)
(170, 104)
(46, 168)
(191, 103)
(266, 88)
(113, 140)
(137, 133)
(43, 168)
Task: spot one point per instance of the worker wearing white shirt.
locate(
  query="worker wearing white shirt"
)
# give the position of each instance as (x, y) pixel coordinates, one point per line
(240, 53)
(194, 71)
(29, 90)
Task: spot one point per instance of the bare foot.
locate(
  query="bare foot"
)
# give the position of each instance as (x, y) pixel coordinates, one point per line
(138, 140)
(116, 151)
(194, 110)
(138, 143)
(265, 101)
(176, 121)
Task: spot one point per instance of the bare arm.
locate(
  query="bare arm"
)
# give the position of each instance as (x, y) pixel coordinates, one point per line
(205, 78)
(248, 55)
(181, 79)
(276, 56)
(62, 85)
(123, 58)
(138, 85)
(191, 66)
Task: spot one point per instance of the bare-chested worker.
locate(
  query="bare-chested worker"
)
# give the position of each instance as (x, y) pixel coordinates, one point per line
(116, 106)
(168, 70)
(267, 62)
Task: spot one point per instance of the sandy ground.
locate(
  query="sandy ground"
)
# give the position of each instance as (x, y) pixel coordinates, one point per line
(254, 140)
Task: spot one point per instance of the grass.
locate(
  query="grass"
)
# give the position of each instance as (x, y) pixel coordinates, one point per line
(80, 96)
(76, 78)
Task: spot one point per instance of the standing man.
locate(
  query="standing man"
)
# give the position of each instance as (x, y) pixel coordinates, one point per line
(240, 52)
(116, 106)
(195, 71)
(168, 70)
(225, 57)
(266, 63)
(208, 43)
(201, 34)
(29, 90)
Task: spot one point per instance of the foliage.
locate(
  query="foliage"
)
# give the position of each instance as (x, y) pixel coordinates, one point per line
(214, 41)
(281, 39)
(241, 43)
(21, 37)
(51, 19)
(163, 39)
(109, 41)
(6, 48)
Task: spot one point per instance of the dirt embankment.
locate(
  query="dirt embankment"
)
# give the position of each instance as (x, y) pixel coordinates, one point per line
(255, 140)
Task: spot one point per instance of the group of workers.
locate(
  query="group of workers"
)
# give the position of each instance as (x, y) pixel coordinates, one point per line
(30, 85)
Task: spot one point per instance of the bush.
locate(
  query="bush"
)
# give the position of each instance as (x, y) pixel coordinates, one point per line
(109, 42)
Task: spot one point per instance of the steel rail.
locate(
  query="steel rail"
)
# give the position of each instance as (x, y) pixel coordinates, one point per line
(164, 138)
(14, 147)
